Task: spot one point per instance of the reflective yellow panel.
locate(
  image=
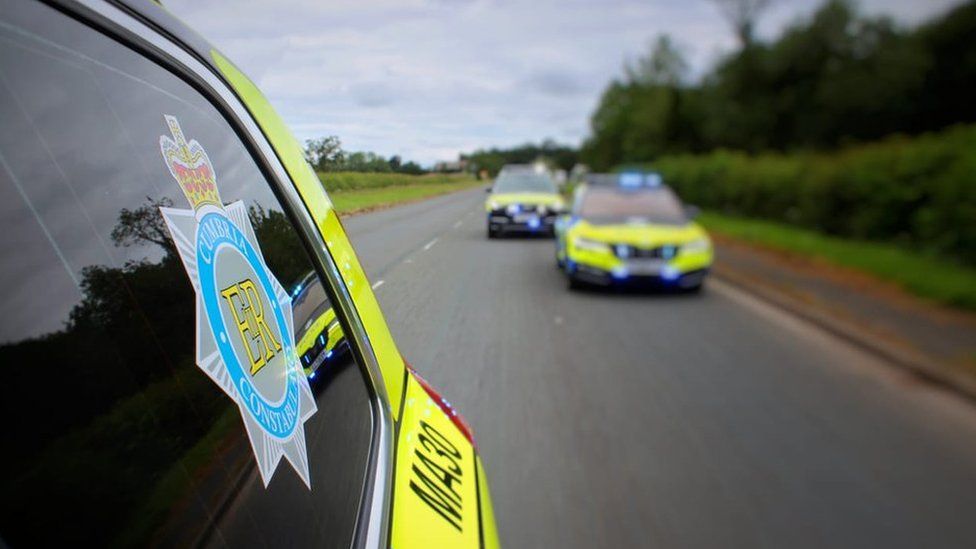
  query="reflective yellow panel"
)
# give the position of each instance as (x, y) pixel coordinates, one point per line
(435, 494)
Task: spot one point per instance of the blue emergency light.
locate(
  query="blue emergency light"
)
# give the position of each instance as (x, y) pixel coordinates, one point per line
(637, 180)
(631, 180)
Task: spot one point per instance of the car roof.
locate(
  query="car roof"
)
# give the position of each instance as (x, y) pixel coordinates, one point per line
(518, 168)
(588, 187)
(637, 180)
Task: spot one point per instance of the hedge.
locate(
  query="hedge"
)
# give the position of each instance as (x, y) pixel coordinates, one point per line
(917, 192)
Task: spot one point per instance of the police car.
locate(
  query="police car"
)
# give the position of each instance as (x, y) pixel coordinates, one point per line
(318, 335)
(522, 200)
(173, 276)
(628, 230)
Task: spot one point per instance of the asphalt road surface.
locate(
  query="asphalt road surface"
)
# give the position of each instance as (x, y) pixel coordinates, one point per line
(611, 420)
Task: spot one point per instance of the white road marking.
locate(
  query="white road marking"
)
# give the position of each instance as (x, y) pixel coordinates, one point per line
(408, 260)
(430, 244)
(377, 284)
(558, 320)
(458, 224)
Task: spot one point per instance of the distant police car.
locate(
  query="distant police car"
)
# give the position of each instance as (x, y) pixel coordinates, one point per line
(317, 331)
(630, 229)
(522, 200)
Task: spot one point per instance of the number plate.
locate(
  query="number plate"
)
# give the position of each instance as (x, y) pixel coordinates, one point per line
(526, 218)
(644, 266)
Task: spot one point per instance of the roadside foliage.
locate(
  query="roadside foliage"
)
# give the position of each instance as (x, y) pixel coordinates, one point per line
(846, 123)
(917, 192)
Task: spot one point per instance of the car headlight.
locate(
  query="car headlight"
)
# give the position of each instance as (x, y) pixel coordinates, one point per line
(493, 205)
(542, 209)
(590, 245)
(697, 245)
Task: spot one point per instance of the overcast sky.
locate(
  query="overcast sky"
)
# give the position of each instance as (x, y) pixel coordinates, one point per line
(427, 79)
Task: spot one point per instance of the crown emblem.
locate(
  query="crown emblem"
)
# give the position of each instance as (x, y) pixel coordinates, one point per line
(190, 166)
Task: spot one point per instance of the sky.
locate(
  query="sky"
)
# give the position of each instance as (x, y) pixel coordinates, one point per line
(427, 79)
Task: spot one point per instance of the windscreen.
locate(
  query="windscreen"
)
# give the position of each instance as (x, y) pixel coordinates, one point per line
(653, 206)
(524, 183)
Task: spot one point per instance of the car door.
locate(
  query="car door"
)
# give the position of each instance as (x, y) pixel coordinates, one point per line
(148, 255)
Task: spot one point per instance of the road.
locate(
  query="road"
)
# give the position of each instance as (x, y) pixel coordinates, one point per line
(652, 420)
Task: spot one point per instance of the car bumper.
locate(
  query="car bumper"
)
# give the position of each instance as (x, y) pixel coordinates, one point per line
(535, 224)
(684, 271)
(333, 345)
(669, 279)
(329, 356)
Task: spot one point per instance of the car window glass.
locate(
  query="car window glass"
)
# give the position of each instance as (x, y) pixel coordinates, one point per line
(524, 183)
(656, 206)
(120, 437)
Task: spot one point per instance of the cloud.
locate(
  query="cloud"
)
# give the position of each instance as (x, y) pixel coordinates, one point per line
(427, 79)
(373, 94)
(554, 83)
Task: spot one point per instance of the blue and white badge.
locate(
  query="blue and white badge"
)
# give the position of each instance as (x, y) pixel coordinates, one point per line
(245, 338)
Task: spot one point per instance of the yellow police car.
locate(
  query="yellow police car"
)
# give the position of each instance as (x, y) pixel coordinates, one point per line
(522, 200)
(163, 236)
(317, 331)
(631, 230)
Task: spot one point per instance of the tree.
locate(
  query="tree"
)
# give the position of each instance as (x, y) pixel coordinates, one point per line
(395, 163)
(743, 15)
(647, 114)
(492, 160)
(365, 162)
(412, 168)
(835, 77)
(665, 66)
(951, 77)
(325, 154)
(144, 225)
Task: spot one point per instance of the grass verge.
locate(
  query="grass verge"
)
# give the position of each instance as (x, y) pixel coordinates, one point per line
(922, 275)
(348, 181)
(349, 201)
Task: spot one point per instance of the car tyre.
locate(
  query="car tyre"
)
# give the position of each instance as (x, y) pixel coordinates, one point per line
(574, 284)
(696, 289)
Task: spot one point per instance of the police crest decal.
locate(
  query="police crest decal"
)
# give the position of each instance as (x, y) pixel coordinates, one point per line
(245, 338)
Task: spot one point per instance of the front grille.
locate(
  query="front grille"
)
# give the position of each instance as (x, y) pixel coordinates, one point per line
(524, 208)
(625, 251)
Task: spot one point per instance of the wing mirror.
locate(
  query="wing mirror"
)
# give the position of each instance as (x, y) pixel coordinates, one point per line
(562, 220)
(488, 190)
